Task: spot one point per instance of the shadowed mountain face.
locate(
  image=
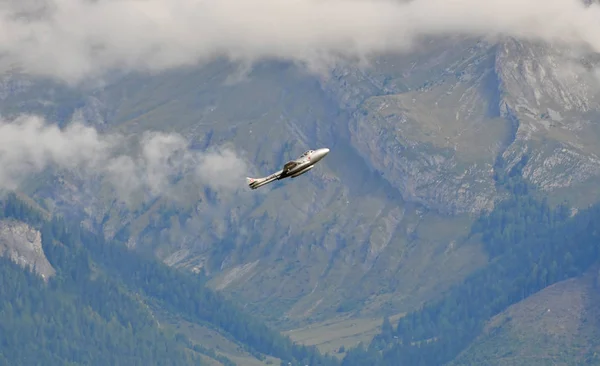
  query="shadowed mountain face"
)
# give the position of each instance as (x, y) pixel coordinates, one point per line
(381, 222)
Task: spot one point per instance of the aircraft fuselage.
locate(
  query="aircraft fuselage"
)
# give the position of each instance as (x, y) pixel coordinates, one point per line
(292, 168)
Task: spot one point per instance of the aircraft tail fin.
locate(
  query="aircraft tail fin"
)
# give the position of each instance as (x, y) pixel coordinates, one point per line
(254, 182)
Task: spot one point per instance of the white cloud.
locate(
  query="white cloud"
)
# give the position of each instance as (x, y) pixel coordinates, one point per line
(28, 145)
(72, 39)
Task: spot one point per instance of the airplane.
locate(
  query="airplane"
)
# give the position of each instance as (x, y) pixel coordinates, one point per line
(292, 168)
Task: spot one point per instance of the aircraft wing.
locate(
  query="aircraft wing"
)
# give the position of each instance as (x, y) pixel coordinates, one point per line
(290, 165)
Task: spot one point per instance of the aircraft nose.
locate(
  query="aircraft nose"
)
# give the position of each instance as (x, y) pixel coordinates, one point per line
(321, 153)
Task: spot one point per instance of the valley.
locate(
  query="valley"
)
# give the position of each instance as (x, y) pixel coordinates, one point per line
(334, 336)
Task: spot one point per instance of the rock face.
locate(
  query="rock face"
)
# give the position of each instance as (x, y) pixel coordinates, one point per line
(437, 130)
(553, 98)
(437, 144)
(23, 245)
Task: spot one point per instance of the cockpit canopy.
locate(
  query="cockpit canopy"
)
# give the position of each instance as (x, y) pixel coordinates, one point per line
(306, 153)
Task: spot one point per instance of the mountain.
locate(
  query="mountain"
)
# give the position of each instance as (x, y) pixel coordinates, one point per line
(383, 225)
(292, 251)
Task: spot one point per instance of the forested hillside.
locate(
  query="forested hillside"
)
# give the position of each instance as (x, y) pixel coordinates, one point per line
(95, 310)
(530, 246)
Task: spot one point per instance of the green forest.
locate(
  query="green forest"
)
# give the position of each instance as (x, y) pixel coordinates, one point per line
(93, 311)
(530, 246)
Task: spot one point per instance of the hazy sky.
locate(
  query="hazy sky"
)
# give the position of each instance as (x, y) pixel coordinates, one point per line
(72, 39)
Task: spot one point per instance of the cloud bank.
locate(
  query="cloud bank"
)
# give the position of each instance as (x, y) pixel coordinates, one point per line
(74, 39)
(28, 145)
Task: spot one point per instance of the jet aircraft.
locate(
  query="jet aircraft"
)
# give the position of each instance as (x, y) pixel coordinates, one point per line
(292, 168)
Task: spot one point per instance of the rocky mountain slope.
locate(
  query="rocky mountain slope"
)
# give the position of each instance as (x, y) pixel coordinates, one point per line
(380, 224)
(436, 137)
(558, 325)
